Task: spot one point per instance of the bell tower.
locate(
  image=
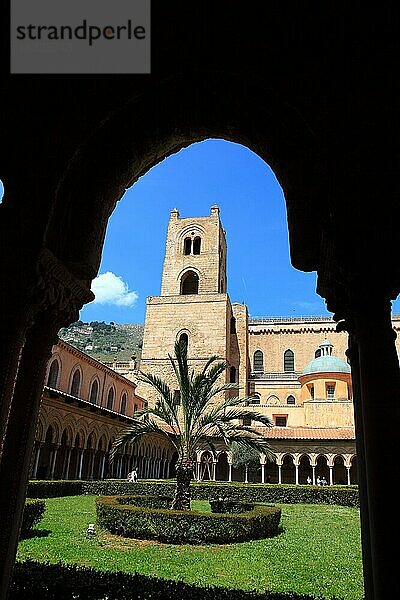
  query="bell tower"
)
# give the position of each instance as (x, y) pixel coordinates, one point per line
(194, 304)
(195, 256)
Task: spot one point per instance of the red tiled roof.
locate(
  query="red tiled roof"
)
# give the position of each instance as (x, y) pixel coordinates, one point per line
(303, 433)
(308, 433)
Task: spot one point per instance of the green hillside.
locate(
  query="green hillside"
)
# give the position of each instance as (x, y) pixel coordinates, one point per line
(105, 341)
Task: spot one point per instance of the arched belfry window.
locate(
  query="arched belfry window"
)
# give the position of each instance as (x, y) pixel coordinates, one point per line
(110, 399)
(94, 391)
(191, 246)
(196, 245)
(76, 383)
(190, 283)
(258, 361)
(288, 361)
(52, 379)
(187, 246)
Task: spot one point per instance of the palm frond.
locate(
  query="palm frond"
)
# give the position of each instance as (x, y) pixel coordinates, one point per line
(144, 426)
(166, 399)
(204, 396)
(245, 413)
(201, 420)
(181, 370)
(208, 364)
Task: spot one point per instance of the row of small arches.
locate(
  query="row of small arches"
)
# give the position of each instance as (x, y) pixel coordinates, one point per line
(76, 384)
(256, 399)
(93, 441)
(288, 361)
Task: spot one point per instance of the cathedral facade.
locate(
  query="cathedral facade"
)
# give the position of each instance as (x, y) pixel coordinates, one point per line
(293, 369)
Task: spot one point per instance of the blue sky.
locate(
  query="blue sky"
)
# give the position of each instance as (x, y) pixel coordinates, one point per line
(252, 211)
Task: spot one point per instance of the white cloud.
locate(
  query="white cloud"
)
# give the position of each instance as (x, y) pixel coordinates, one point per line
(109, 288)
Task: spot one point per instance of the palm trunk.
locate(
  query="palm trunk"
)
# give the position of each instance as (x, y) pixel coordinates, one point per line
(184, 475)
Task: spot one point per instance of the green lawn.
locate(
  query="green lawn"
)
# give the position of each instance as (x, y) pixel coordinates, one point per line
(318, 552)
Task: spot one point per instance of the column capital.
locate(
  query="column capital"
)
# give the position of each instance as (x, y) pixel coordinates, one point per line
(44, 283)
(362, 308)
(353, 289)
(57, 288)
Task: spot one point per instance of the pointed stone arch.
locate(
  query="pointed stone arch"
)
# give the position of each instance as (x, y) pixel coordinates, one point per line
(120, 170)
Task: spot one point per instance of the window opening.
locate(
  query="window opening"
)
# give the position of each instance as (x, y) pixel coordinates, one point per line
(258, 361)
(53, 374)
(190, 283)
(196, 245)
(233, 325)
(110, 399)
(288, 361)
(123, 405)
(330, 391)
(93, 392)
(184, 338)
(76, 383)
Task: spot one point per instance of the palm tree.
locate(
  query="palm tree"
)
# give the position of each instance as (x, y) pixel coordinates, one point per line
(197, 422)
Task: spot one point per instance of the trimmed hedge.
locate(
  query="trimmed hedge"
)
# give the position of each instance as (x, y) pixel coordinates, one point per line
(33, 512)
(342, 495)
(47, 581)
(185, 527)
(223, 505)
(146, 501)
(55, 489)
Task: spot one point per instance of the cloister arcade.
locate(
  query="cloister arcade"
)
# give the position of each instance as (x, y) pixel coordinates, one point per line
(71, 446)
(76, 447)
(289, 467)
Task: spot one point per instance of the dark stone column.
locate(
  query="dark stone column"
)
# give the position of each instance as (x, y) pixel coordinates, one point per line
(19, 440)
(352, 353)
(366, 315)
(52, 302)
(379, 410)
(12, 341)
(360, 296)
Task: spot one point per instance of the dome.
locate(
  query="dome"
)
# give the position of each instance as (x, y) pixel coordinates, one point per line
(326, 364)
